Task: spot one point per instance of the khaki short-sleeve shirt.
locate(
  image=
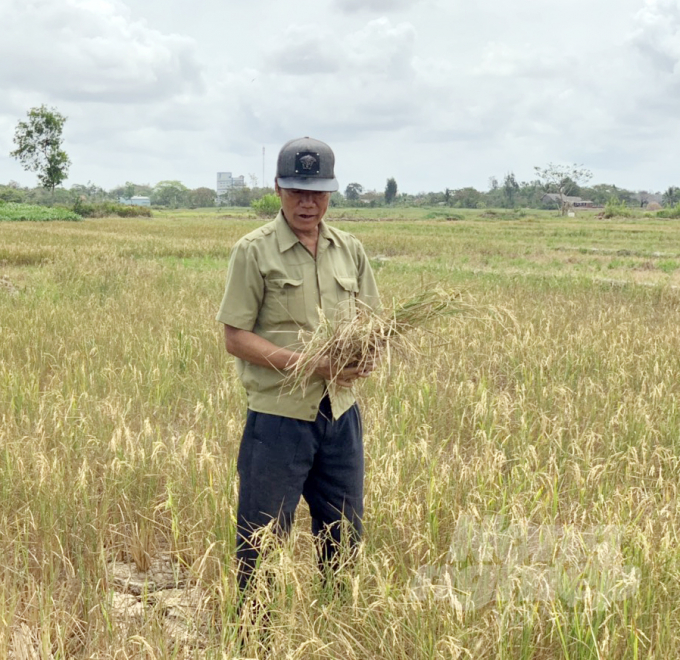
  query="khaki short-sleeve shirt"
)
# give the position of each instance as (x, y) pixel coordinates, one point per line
(275, 288)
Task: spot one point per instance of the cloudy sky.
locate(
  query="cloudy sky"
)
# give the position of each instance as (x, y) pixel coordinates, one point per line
(436, 93)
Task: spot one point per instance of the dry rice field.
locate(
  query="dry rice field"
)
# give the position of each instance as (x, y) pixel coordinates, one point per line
(522, 470)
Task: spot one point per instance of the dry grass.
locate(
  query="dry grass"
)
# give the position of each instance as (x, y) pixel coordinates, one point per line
(120, 417)
(368, 337)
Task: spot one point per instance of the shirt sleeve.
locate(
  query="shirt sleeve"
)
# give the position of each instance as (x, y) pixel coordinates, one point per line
(244, 291)
(368, 288)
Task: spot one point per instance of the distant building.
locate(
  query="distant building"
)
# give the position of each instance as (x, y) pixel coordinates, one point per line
(135, 201)
(575, 202)
(226, 183)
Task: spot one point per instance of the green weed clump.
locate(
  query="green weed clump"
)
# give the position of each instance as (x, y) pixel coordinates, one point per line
(13, 211)
(616, 209)
(267, 206)
(443, 215)
(671, 212)
(508, 214)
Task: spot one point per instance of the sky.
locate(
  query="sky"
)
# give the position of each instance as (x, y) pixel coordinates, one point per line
(435, 93)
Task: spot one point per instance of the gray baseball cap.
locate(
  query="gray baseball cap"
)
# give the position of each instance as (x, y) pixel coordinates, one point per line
(306, 164)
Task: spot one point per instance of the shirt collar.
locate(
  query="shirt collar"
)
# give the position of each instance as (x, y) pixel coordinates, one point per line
(286, 238)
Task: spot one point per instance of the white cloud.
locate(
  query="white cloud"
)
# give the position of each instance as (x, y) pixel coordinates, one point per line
(305, 50)
(658, 34)
(508, 61)
(383, 48)
(470, 89)
(364, 80)
(353, 6)
(92, 50)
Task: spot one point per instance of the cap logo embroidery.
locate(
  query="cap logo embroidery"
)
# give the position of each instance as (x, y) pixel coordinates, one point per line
(307, 163)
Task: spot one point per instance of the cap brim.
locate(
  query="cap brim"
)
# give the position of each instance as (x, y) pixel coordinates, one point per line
(308, 183)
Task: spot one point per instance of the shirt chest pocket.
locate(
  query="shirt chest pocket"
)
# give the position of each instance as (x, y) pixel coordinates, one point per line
(284, 302)
(346, 288)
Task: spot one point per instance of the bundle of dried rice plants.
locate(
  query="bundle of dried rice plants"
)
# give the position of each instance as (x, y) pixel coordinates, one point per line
(369, 337)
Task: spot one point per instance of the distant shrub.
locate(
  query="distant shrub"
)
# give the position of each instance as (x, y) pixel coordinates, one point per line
(615, 208)
(9, 194)
(669, 212)
(267, 206)
(11, 211)
(444, 215)
(108, 209)
(506, 214)
(125, 211)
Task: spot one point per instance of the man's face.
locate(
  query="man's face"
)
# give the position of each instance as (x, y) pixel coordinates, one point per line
(303, 209)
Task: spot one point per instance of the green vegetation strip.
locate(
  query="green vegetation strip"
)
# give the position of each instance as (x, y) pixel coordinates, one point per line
(31, 212)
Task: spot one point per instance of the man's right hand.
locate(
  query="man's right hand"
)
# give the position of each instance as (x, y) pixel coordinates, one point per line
(344, 378)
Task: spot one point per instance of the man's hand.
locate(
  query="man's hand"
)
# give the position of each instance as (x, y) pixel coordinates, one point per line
(257, 350)
(343, 378)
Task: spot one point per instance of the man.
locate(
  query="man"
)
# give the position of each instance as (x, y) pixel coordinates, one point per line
(296, 442)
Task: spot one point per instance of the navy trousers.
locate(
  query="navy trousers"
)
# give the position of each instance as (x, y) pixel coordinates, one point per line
(281, 459)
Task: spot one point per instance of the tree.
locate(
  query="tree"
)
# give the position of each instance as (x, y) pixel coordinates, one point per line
(172, 194)
(353, 192)
(202, 197)
(561, 179)
(390, 190)
(601, 193)
(671, 196)
(39, 149)
(337, 199)
(643, 196)
(510, 189)
(10, 194)
(90, 192)
(241, 196)
(468, 198)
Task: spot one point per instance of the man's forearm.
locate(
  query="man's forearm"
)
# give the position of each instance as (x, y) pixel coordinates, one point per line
(255, 349)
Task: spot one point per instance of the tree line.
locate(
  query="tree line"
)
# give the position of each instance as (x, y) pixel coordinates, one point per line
(560, 182)
(168, 194)
(39, 148)
(507, 193)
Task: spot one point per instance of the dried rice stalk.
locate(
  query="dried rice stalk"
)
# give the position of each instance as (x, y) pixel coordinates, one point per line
(362, 340)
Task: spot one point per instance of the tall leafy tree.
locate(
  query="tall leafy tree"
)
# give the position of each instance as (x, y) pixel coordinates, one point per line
(129, 190)
(202, 197)
(510, 189)
(390, 190)
(467, 198)
(173, 194)
(353, 192)
(39, 141)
